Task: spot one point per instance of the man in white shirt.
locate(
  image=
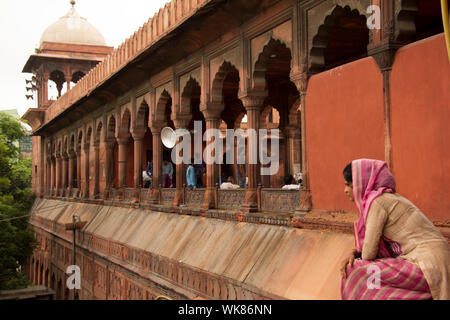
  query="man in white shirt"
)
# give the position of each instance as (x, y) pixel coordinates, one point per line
(289, 183)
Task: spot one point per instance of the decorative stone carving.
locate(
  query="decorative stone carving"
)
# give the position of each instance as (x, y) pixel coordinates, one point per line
(279, 200)
(231, 199)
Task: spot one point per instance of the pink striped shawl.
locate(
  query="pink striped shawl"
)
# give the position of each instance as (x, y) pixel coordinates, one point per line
(371, 178)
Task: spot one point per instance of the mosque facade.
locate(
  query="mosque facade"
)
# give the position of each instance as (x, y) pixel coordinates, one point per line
(336, 84)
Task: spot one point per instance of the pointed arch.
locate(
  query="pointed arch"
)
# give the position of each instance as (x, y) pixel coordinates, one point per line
(125, 123)
(142, 116)
(88, 136)
(80, 140)
(275, 51)
(227, 71)
(190, 92)
(163, 107)
(65, 148)
(111, 128)
(98, 132)
(343, 37)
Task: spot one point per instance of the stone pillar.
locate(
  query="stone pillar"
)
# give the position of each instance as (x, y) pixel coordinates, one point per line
(86, 171)
(252, 103)
(96, 169)
(58, 174)
(53, 177)
(301, 82)
(109, 165)
(138, 150)
(48, 182)
(123, 143)
(72, 159)
(157, 163)
(212, 115)
(79, 169)
(43, 93)
(65, 173)
(181, 167)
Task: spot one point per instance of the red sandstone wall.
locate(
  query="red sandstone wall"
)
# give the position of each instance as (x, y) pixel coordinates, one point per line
(420, 97)
(344, 121)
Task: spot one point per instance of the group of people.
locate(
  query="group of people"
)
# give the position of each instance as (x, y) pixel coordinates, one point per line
(167, 175)
(194, 175)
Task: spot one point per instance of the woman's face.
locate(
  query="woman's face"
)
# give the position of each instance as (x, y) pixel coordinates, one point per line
(349, 190)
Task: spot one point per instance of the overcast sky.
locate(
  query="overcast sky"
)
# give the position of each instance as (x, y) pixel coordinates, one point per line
(22, 23)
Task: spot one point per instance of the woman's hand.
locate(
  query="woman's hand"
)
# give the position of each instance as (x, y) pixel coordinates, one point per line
(348, 261)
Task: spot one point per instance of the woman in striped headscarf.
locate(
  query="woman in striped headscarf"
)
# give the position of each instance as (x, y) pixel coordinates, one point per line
(399, 253)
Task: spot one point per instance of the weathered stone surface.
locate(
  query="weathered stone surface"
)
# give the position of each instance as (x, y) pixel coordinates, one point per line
(206, 257)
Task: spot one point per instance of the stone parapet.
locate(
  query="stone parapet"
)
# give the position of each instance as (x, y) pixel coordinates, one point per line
(162, 253)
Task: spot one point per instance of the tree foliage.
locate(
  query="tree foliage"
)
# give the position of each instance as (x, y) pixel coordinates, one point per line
(17, 239)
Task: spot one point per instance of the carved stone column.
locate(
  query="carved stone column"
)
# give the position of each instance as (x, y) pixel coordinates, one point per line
(79, 170)
(72, 160)
(212, 116)
(294, 145)
(96, 169)
(109, 165)
(180, 123)
(48, 183)
(43, 93)
(301, 82)
(383, 47)
(123, 143)
(58, 171)
(86, 171)
(138, 137)
(65, 169)
(253, 103)
(157, 162)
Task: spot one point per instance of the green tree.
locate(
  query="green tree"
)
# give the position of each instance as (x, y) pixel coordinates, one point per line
(17, 239)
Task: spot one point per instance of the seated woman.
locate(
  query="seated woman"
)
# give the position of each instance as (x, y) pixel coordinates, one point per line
(399, 253)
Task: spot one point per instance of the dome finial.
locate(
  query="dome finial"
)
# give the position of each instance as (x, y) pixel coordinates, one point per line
(72, 2)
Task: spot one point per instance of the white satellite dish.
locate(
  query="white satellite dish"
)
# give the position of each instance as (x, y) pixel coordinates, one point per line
(168, 137)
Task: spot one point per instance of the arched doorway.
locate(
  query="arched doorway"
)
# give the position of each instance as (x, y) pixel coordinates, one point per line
(342, 38)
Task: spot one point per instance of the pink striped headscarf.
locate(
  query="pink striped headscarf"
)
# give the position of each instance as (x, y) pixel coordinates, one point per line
(371, 178)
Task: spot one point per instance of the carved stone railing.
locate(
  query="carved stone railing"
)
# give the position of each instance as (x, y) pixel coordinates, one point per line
(194, 197)
(231, 199)
(129, 194)
(167, 195)
(74, 193)
(146, 195)
(110, 194)
(279, 200)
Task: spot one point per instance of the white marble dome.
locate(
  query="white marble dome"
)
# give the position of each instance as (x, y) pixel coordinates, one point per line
(73, 29)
